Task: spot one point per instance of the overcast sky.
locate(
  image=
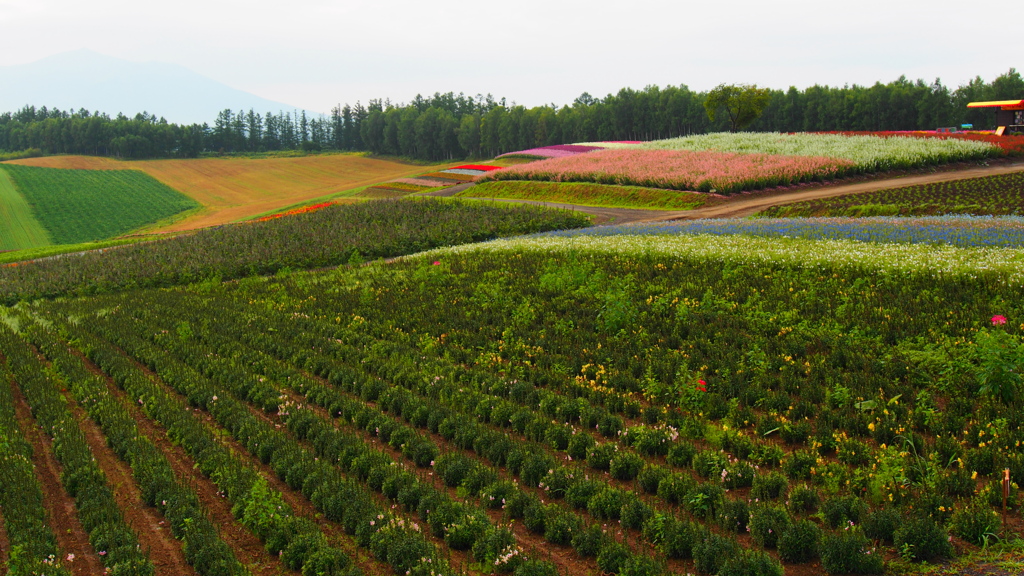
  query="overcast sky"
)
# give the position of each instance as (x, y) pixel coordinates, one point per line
(316, 53)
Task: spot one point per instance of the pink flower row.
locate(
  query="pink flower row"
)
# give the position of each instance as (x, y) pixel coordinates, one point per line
(558, 151)
(705, 171)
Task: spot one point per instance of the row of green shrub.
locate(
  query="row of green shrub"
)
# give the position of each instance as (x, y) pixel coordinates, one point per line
(159, 484)
(341, 499)
(462, 526)
(110, 535)
(555, 523)
(300, 542)
(33, 545)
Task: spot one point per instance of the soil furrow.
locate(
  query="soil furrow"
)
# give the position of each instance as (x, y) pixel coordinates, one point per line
(71, 536)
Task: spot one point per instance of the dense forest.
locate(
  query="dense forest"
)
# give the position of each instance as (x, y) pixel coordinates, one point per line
(448, 126)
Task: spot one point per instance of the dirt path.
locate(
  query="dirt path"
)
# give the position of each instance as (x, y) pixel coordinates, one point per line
(744, 205)
(71, 537)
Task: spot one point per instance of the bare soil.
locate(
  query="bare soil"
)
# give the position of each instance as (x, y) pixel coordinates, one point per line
(71, 537)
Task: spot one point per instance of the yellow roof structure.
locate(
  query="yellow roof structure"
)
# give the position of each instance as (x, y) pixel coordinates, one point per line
(1004, 104)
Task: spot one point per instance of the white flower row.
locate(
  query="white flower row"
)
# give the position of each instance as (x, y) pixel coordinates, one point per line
(1007, 263)
(867, 152)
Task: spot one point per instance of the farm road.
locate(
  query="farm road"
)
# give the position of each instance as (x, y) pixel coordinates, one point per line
(745, 205)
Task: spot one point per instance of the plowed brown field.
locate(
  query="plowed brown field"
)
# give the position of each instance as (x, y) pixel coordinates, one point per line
(232, 189)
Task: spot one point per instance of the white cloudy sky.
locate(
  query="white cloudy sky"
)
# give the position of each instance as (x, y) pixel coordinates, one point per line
(315, 53)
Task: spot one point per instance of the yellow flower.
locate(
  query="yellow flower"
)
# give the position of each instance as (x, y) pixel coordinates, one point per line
(974, 475)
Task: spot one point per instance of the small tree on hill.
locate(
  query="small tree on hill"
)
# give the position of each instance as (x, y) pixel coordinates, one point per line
(743, 103)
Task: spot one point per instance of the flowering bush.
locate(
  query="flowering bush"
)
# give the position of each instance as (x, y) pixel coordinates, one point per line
(800, 542)
(850, 552)
(867, 153)
(705, 171)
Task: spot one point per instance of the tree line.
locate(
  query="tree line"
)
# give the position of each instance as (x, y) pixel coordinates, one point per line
(450, 126)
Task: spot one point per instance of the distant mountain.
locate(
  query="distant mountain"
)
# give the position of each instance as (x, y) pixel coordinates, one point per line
(85, 79)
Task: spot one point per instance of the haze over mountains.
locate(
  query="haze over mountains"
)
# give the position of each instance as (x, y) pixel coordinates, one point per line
(86, 79)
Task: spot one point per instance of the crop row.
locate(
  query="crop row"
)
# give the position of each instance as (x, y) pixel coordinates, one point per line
(461, 526)
(475, 480)
(342, 498)
(157, 481)
(989, 195)
(884, 381)
(21, 497)
(868, 153)
(335, 235)
(606, 503)
(260, 508)
(112, 538)
(704, 171)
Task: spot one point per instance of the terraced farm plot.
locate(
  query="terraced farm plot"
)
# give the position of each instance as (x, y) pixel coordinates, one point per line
(84, 205)
(585, 194)
(233, 189)
(19, 228)
(638, 405)
(990, 195)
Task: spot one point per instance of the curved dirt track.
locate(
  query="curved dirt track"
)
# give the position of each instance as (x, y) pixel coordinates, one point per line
(744, 205)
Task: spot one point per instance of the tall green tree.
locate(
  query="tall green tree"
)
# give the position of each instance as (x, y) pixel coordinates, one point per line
(743, 103)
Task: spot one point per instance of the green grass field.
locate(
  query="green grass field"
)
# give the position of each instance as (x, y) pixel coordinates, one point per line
(84, 205)
(20, 228)
(586, 194)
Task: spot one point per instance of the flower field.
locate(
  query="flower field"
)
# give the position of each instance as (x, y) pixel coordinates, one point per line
(1010, 144)
(868, 153)
(990, 195)
(636, 404)
(704, 171)
(302, 210)
(959, 231)
(557, 151)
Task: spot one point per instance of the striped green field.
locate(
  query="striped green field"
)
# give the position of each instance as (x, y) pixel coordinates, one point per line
(19, 229)
(74, 206)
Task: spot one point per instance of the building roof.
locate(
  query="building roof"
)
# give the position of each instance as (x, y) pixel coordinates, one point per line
(996, 104)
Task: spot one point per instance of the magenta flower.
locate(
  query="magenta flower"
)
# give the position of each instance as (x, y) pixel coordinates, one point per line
(998, 320)
(437, 262)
